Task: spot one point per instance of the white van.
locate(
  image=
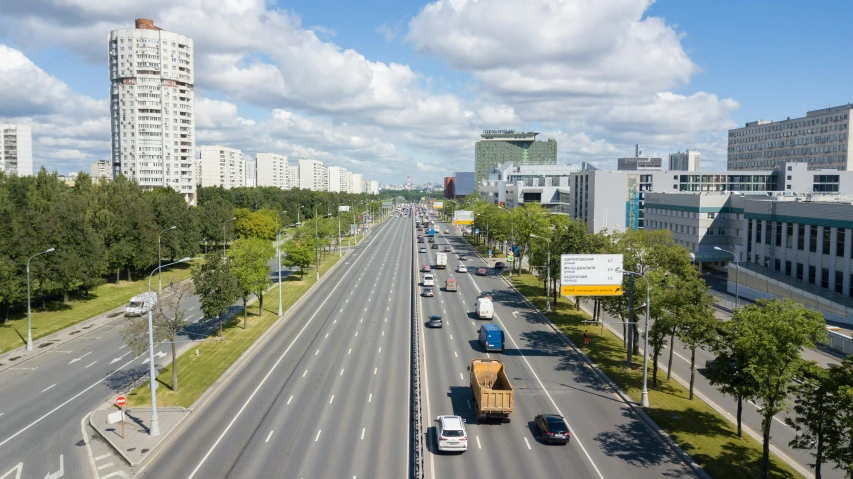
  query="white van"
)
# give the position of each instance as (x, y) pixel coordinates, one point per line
(485, 308)
(140, 304)
(429, 280)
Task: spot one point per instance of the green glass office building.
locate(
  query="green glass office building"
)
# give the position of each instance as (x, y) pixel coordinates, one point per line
(499, 146)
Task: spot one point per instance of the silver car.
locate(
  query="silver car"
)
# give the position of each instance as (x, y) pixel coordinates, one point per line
(450, 433)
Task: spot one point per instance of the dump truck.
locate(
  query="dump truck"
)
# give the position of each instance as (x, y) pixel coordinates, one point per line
(450, 285)
(441, 261)
(494, 397)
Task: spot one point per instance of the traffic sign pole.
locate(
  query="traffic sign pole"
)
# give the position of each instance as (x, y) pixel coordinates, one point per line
(120, 402)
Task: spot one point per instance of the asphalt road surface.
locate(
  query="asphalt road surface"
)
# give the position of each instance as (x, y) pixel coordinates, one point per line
(328, 394)
(608, 440)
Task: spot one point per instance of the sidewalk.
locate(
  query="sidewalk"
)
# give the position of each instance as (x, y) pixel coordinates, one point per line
(137, 443)
(52, 341)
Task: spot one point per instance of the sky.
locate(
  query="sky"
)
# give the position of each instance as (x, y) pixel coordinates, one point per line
(396, 88)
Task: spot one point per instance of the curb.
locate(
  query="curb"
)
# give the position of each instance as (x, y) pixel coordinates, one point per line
(647, 421)
(118, 449)
(229, 373)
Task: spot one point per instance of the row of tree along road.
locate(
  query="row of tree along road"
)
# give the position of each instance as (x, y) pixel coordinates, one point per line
(757, 351)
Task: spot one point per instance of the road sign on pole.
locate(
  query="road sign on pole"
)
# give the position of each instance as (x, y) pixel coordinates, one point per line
(510, 257)
(121, 401)
(591, 274)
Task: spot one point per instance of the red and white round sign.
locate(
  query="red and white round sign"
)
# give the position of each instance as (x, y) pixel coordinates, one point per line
(121, 401)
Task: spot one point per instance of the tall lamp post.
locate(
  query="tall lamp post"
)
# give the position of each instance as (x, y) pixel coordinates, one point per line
(160, 259)
(511, 240)
(737, 274)
(340, 246)
(29, 316)
(644, 396)
(547, 272)
(316, 247)
(278, 255)
(225, 241)
(152, 370)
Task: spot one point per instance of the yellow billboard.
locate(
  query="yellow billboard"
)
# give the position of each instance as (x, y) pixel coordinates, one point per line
(438, 205)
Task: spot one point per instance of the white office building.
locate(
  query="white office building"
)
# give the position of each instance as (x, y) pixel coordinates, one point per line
(272, 170)
(313, 175)
(152, 107)
(101, 169)
(684, 161)
(16, 149)
(251, 164)
(820, 139)
(221, 166)
(357, 183)
(511, 186)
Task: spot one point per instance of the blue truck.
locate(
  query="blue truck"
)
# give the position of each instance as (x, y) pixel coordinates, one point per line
(491, 337)
(431, 232)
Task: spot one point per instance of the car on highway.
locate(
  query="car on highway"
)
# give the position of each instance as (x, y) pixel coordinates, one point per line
(447, 249)
(463, 257)
(447, 232)
(434, 246)
(435, 321)
(499, 265)
(428, 293)
(429, 280)
(485, 294)
(422, 249)
(420, 240)
(552, 428)
(461, 269)
(450, 433)
(431, 239)
(425, 268)
(481, 272)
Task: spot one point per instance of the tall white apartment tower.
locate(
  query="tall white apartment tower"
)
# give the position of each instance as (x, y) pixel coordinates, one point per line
(357, 183)
(220, 166)
(16, 149)
(338, 179)
(293, 176)
(251, 165)
(272, 170)
(152, 106)
(684, 161)
(313, 175)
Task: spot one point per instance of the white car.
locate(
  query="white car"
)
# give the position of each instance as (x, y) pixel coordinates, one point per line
(450, 433)
(461, 269)
(429, 280)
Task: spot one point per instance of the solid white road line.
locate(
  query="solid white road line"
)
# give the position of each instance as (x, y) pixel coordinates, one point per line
(451, 336)
(45, 389)
(268, 437)
(289, 399)
(93, 362)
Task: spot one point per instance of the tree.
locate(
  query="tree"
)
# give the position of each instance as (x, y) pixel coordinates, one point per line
(299, 254)
(772, 334)
(248, 258)
(839, 446)
(728, 370)
(216, 284)
(815, 402)
(168, 319)
(698, 327)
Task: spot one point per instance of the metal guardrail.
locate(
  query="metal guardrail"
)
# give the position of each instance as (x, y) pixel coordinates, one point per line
(840, 342)
(723, 300)
(418, 471)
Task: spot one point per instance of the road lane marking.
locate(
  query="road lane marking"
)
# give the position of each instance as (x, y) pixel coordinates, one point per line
(305, 373)
(374, 370)
(370, 398)
(318, 352)
(362, 438)
(331, 399)
(380, 350)
(289, 399)
(103, 466)
(81, 357)
(327, 335)
(103, 457)
(335, 321)
(478, 442)
(383, 333)
(487, 355)
(455, 355)
(318, 435)
(451, 336)
(122, 347)
(356, 334)
(469, 403)
(528, 444)
(45, 389)
(461, 376)
(342, 373)
(350, 351)
(268, 437)
(360, 320)
(90, 364)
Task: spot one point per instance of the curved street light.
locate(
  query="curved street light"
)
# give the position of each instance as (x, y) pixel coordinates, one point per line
(644, 396)
(160, 258)
(547, 272)
(29, 316)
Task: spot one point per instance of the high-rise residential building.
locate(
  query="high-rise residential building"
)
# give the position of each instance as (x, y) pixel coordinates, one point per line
(373, 187)
(684, 161)
(16, 149)
(349, 181)
(338, 179)
(357, 183)
(292, 176)
(313, 175)
(272, 170)
(820, 139)
(251, 165)
(499, 146)
(101, 169)
(152, 107)
(220, 166)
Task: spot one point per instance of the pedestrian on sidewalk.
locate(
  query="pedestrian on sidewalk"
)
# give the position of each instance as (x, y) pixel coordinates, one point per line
(586, 338)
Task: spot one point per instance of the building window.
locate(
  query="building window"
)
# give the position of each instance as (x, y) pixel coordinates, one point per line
(812, 271)
(801, 237)
(788, 268)
(759, 233)
(777, 265)
(813, 239)
(778, 236)
(839, 281)
(826, 231)
(839, 242)
(824, 278)
(799, 270)
(789, 240)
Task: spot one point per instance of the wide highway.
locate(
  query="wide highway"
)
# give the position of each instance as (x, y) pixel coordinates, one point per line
(328, 394)
(608, 440)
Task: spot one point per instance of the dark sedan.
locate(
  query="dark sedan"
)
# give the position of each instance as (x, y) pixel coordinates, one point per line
(552, 428)
(481, 272)
(499, 265)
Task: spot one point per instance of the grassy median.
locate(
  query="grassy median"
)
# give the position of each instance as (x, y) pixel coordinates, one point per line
(197, 373)
(56, 315)
(709, 438)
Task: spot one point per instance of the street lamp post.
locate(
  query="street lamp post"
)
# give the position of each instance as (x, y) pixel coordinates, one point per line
(511, 240)
(547, 273)
(316, 246)
(152, 370)
(225, 241)
(737, 274)
(644, 396)
(29, 315)
(160, 259)
(278, 255)
(340, 246)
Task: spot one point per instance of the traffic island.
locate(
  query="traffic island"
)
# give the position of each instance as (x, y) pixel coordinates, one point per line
(137, 443)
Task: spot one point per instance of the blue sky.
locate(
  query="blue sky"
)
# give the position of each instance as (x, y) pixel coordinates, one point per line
(413, 101)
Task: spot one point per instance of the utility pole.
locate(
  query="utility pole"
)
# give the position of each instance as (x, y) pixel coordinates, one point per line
(630, 335)
(340, 246)
(316, 246)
